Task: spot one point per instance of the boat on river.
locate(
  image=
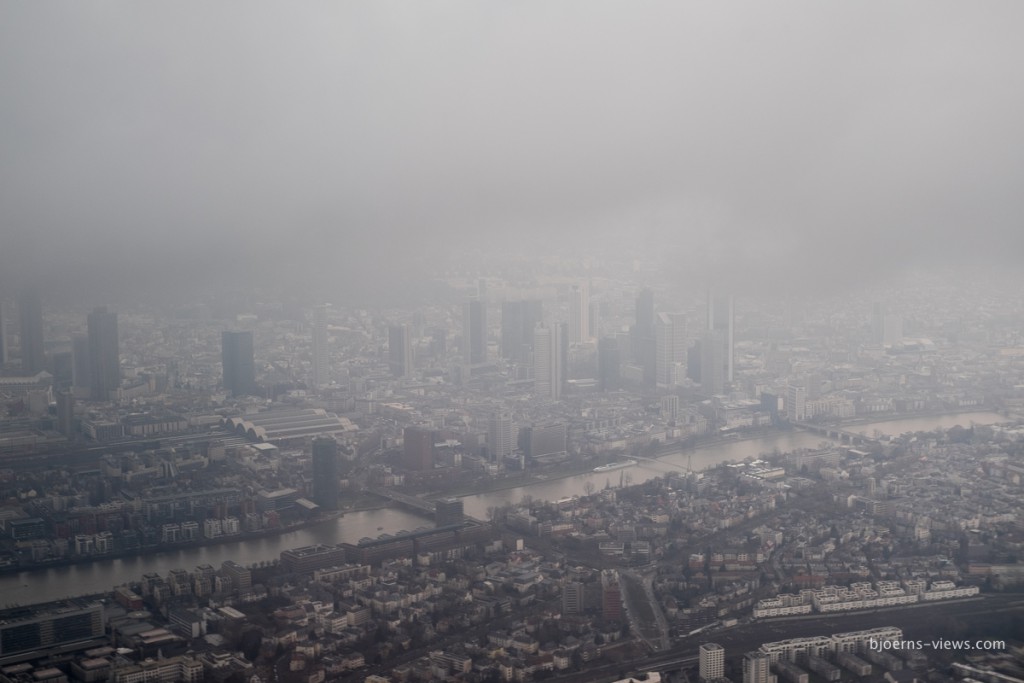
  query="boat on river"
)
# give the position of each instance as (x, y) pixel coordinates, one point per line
(615, 466)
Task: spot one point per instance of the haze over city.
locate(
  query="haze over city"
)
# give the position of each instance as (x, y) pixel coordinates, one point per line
(743, 140)
(480, 342)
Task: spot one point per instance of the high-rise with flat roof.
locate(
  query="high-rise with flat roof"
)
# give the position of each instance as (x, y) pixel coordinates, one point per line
(500, 441)
(238, 362)
(30, 317)
(609, 363)
(712, 365)
(3, 335)
(241, 577)
(670, 346)
(757, 668)
(400, 350)
(721, 319)
(320, 346)
(518, 320)
(611, 595)
(572, 598)
(41, 627)
(104, 353)
(579, 313)
(81, 365)
(548, 361)
(474, 331)
(418, 445)
(712, 662)
(325, 473)
(448, 512)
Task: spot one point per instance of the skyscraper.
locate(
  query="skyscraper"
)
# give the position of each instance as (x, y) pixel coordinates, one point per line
(418, 447)
(611, 595)
(609, 362)
(104, 353)
(572, 598)
(320, 346)
(669, 346)
(645, 314)
(400, 350)
(796, 402)
(712, 365)
(594, 321)
(239, 364)
(3, 335)
(886, 329)
(81, 365)
(30, 317)
(579, 313)
(325, 473)
(65, 412)
(518, 320)
(548, 361)
(448, 512)
(757, 668)
(721, 318)
(474, 331)
(500, 440)
(712, 662)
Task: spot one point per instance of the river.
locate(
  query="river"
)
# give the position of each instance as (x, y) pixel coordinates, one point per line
(50, 584)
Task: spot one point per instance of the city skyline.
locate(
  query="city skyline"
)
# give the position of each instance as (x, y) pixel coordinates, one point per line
(505, 342)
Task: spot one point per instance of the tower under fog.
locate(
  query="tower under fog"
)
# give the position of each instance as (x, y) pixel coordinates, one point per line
(325, 473)
(579, 313)
(104, 353)
(238, 362)
(669, 348)
(721, 319)
(30, 318)
(3, 336)
(518, 320)
(320, 347)
(400, 350)
(448, 512)
(474, 331)
(548, 361)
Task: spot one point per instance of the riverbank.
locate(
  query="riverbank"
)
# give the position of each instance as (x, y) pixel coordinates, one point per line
(577, 468)
(146, 551)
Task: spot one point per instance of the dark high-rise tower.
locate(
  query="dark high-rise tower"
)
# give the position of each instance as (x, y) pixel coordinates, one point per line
(669, 346)
(518, 321)
(608, 364)
(30, 317)
(721, 318)
(65, 412)
(239, 365)
(325, 473)
(81, 364)
(642, 343)
(3, 336)
(474, 332)
(419, 448)
(400, 350)
(319, 346)
(104, 354)
(712, 362)
(645, 313)
(448, 512)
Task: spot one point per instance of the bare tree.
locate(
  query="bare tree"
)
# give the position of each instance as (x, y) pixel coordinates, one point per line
(588, 488)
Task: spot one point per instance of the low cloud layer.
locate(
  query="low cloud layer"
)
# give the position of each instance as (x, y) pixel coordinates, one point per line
(155, 141)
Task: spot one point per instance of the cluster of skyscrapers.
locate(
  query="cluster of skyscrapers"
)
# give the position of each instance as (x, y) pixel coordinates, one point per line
(91, 367)
(659, 344)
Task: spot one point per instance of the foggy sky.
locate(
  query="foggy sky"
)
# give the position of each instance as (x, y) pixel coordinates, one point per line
(752, 140)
